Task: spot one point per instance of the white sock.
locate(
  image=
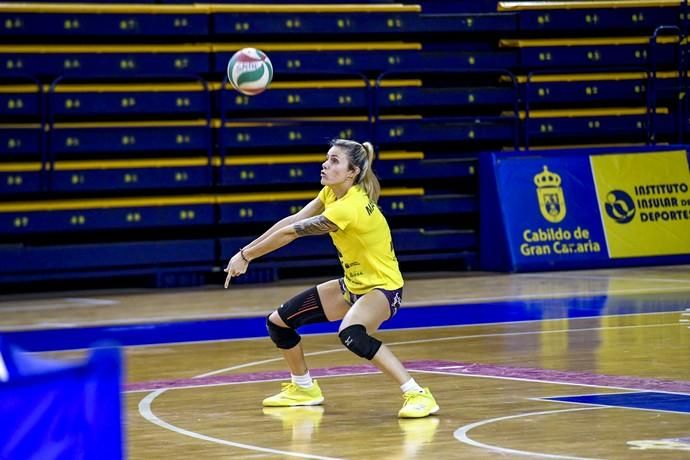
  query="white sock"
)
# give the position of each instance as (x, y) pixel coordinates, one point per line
(411, 385)
(304, 381)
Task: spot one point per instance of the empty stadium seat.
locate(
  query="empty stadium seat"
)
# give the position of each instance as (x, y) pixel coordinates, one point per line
(105, 100)
(20, 178)
(596, 88)
(294, 131)
(93, 214)
(115, 61)
(111, 20)
(344, 19)
(310, 95)
(574, 15)
(20, 100)
(595, 124)
(105, 259)
(130, 174)
(607, 52)
(20, 140)
(87, 138)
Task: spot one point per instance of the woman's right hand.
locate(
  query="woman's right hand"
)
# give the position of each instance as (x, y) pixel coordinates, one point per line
(236, 266)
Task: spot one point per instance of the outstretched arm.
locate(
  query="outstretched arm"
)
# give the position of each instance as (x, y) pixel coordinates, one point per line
(316, 225)
(313, 208)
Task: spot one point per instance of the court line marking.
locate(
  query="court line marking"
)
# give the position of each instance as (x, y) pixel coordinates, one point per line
(602, 277)
(551, 295)
(610, 406)
(437, 339)
(73, 302)
(243, 382)
(412, 342)
(461, 434)
(508, 334)
(451, 326)
(545, 382)
(147, 413)
(442, 302)
(575, 395)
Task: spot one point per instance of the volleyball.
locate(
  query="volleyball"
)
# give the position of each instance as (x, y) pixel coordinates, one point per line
(250, 71)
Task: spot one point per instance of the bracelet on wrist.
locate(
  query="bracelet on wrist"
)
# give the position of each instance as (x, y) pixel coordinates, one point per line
(243, 256)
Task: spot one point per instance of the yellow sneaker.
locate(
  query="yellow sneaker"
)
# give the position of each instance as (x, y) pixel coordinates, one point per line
(418, 405)
(295, 395)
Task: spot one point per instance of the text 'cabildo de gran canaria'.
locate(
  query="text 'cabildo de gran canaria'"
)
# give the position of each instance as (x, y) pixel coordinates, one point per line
(543, 242)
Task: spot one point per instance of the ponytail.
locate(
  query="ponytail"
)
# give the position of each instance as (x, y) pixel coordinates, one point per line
(367, 178)
(362, 157)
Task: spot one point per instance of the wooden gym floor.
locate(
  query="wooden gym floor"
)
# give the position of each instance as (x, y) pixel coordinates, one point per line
(569, 365)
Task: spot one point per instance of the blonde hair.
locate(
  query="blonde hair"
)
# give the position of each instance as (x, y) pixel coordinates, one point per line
(362, 157)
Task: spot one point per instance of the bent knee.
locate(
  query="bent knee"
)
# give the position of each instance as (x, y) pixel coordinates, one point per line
(356, 339)
(276, 319)
(284, 337)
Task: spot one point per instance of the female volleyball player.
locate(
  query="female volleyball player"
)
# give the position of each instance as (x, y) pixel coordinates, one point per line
(368, 294)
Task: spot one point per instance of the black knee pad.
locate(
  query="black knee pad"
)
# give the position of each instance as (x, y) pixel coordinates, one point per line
(356, 339)
(283, 337)
(304, 308)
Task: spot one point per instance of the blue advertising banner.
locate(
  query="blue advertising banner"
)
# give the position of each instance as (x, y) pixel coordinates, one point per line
(559, 209)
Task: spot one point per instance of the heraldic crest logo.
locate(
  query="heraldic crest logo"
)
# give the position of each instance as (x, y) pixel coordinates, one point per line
(550, 194)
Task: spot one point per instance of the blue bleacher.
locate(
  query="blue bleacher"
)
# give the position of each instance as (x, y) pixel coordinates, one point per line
(117, 127)
(455, 6)
(268, 207)
(392, 130)
(108, 99)
(83, 261)
(87, 215)
(130, 174)
(21, 100)
(262, 20)
(20, 178)
(608, 52)
(70, 20)
(376, 57)
(407, 94)
(20, 140)
(413, 244)
(313, 95)
(86, 138)
(595, 124)
(241, 171)
(584, 16)
(596, 88)
(292, 131)
(396, 166)
(116, 61)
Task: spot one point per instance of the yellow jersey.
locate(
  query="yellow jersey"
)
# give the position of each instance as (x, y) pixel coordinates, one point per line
(363, 241)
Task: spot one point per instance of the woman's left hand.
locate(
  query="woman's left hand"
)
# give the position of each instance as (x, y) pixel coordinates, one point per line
(236, 266)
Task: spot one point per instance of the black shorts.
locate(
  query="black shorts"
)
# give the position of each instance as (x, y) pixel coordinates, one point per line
(394, 297)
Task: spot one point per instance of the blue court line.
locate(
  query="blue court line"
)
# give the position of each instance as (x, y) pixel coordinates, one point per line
(407, 317)
(647, 400)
